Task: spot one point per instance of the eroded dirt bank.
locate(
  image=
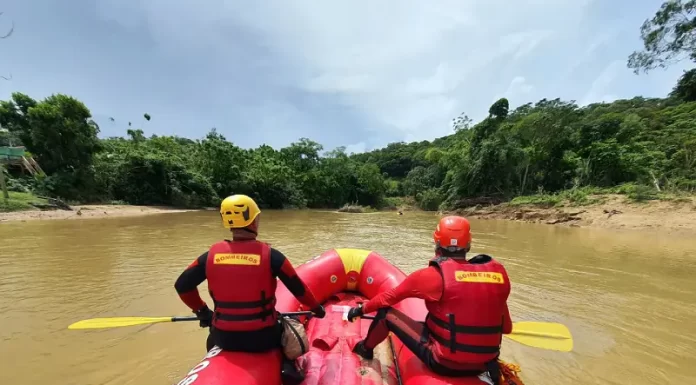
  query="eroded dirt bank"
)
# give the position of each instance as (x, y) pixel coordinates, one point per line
(614, 212)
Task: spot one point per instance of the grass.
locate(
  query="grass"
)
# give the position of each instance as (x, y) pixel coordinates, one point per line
(641, 193)
(591, 195)
(405, 203)
(574, 197)
(19, 201)
(393, 203)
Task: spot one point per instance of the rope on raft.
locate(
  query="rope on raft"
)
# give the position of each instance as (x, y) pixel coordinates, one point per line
(508, 374)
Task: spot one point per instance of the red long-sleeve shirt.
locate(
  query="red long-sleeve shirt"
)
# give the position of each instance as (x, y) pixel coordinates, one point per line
(425, 284)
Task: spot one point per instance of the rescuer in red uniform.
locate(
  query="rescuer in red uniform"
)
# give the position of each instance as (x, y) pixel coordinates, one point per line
(466, 302)
(241, 276)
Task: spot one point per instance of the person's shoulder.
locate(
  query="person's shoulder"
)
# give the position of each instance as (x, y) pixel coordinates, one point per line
(481, 259)
(219, 243)
(275, 252)
(436, 261)
(427, 272)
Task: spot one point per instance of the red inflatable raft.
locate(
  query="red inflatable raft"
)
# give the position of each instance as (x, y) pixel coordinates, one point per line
(338, 278)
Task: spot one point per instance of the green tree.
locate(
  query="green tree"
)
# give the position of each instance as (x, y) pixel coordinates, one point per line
(462, 122)
(221, 162)
(499, 109)
(686, 87)
(14, 116)
(63, 135)
(668, 37)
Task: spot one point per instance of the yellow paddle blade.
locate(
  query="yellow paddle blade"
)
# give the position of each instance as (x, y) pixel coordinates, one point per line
(117, 322)
(543, 335)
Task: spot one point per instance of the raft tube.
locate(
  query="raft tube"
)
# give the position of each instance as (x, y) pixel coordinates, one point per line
(338, 278)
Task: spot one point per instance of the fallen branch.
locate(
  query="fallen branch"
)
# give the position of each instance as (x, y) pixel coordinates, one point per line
(44, 207)
(563, 220)
(58, 203)
(612, 212)
(577, 213)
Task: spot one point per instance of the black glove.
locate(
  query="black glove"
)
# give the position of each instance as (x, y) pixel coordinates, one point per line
(319, 312)
(355, 312)
(205, 316)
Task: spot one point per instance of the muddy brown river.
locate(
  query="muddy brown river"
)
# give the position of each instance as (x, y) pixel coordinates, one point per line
(628, 298)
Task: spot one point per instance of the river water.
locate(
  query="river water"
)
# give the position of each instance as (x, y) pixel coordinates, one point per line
(628, 298)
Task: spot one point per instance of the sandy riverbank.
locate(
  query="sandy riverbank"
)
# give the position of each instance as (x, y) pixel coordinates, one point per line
(87, 211)
(614, 212)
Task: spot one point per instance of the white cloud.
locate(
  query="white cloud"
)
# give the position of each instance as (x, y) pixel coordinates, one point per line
(356, 148)
(602, 84)
(519, 89)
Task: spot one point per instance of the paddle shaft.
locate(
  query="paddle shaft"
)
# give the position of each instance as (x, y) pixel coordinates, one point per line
(518, 332)
(544, 335)
(194, 318)
(396, 360)
(539, 334)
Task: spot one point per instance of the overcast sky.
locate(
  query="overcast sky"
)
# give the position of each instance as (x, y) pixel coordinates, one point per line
(354, 73)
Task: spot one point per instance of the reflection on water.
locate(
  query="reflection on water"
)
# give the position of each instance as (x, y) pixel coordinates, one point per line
(628, 298)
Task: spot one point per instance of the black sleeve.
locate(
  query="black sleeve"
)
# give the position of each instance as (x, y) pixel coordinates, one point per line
(193, 276)
(277, 261)
(283, 269)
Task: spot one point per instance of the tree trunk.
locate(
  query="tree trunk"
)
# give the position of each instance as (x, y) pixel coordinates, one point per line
(5, 193)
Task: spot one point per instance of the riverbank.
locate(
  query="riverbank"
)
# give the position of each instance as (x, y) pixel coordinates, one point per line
(610, 211)
(86, 211)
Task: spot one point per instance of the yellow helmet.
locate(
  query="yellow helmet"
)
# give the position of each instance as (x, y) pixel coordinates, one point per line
(238, 211)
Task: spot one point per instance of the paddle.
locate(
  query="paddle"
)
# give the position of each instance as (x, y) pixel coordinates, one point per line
(542, 335)
(117, 322)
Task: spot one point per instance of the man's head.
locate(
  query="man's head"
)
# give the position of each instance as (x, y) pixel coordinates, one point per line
(452, 236)
(240, 214)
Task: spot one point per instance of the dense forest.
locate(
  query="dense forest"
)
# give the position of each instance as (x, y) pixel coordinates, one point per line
(547, 146)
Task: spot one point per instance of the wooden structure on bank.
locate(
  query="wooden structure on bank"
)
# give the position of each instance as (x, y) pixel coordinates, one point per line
(17, 157)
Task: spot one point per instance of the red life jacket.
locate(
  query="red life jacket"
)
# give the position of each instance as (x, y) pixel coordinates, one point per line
(242, 285)
(466, 324)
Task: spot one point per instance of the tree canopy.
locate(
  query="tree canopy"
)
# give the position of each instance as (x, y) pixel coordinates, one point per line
(669, 37)
(548, 146)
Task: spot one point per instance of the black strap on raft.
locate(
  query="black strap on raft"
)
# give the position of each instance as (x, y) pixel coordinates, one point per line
(425, 335)
(493, 368)
(263, 314)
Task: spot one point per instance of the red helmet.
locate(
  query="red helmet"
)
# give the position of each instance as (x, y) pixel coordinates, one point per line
(452, 233)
